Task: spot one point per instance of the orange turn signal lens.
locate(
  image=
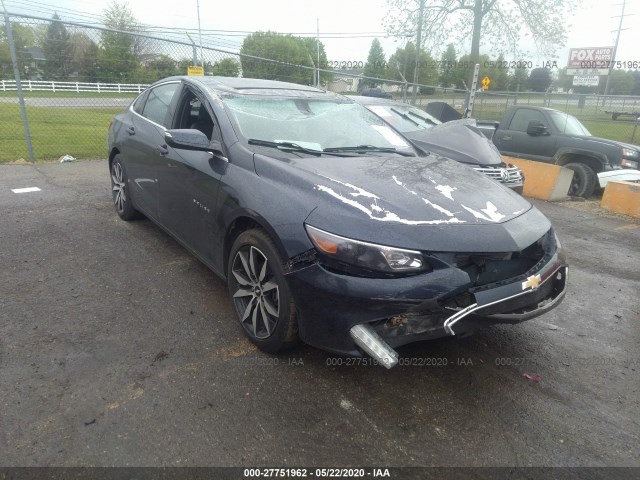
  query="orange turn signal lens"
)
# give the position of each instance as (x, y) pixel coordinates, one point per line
(325, 244)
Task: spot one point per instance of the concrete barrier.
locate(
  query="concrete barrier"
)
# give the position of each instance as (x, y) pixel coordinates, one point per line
(622, 197)
(543, 180)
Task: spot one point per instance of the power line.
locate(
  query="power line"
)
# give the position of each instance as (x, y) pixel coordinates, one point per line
(288, 33)
(212, 38)
(45, 8)
(327, 37)
(41, 7)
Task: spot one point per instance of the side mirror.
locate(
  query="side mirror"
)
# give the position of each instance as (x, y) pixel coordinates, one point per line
(192, 139)
(187, 139)
(537, 128)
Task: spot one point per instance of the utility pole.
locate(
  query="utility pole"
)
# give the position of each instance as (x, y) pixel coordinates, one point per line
(403, 74)
(404, 85)
(200, 33)
(615, 49)
(418, 47)
(193, 47)
(318, 52)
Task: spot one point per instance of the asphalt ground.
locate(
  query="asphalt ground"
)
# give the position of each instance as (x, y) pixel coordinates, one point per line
(118, 348)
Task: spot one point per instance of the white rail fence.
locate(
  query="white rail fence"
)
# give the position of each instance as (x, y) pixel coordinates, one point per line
(78, 87)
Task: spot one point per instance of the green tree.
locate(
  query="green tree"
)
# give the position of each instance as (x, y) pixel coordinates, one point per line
(500, 23)
(183, 65)
(88, 65)
(499, 76)
(449, 71)
(311, 45)
(288, 53)
(155, 67)
(403, 63)
(376, 64)
(84, 56)
(23, 37)
(636, 82)
(518, 79)
(57, 50)
(118, 56)
(466, 68)
(227, 67)
(540, 79)
(621, 82)
(563, 81)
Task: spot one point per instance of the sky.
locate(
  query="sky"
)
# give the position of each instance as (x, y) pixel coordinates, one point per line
(359, 20)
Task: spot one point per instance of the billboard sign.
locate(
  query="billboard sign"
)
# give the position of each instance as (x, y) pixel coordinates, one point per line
(589, 61)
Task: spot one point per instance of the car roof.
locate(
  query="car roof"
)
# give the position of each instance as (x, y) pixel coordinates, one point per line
(252, 86)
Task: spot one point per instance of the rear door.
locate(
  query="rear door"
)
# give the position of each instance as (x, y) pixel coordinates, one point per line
(142, 150)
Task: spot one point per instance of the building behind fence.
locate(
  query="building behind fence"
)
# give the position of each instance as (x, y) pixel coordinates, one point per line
(70, 100)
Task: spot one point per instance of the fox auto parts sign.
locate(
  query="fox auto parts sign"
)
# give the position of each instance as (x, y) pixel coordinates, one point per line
(589, 61)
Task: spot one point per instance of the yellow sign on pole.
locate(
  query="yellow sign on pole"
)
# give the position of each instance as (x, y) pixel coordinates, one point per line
(485, 83)
(196, 71)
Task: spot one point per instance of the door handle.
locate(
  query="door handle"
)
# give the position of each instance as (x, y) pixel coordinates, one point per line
(131, 131)
(506, 137)
(162, 150)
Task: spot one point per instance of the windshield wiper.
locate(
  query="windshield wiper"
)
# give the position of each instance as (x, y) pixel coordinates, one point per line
(407, 117)
(287, 146)
(425, 120)
(367, 148)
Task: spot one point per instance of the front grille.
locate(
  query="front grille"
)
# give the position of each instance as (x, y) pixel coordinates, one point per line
(486, 268)
(507, 174)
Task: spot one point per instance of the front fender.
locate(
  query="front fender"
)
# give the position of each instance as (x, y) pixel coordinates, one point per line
(596, 160)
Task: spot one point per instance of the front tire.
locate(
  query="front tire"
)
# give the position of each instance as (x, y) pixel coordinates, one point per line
(584, 180)
(120, 191)
(260, 293)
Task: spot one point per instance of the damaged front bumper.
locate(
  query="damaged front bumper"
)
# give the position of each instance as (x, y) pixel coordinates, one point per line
(397, 311)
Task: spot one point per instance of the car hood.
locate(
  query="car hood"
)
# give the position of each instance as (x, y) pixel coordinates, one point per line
(606, 141)
(426, 203)
(629, 146)
(460, 140)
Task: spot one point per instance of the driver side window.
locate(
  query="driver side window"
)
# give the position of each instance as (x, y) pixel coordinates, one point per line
(522, 117)
(192, 113)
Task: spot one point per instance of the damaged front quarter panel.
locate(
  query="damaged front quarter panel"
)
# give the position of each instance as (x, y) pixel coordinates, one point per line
(300, 261)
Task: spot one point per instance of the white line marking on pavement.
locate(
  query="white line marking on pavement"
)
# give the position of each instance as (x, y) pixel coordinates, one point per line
(25, 190)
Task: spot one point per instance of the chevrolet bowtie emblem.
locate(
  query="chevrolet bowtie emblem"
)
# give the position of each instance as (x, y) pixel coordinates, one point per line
(532, 282)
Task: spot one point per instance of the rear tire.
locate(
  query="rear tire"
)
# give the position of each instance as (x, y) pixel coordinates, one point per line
(120, 191)
(259, 292)
(584, 180)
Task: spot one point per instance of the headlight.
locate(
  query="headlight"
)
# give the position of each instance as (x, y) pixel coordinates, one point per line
(366, 256)
(628, 152)
(629, 163)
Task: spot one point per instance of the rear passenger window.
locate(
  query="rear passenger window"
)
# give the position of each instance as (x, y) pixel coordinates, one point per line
(138, 104)
(158, 102)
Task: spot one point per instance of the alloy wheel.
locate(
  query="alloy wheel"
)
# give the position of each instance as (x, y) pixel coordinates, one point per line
(119, 192)
(256, 295)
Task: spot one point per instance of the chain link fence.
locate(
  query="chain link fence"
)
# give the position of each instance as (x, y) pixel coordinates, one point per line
(72, 90)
